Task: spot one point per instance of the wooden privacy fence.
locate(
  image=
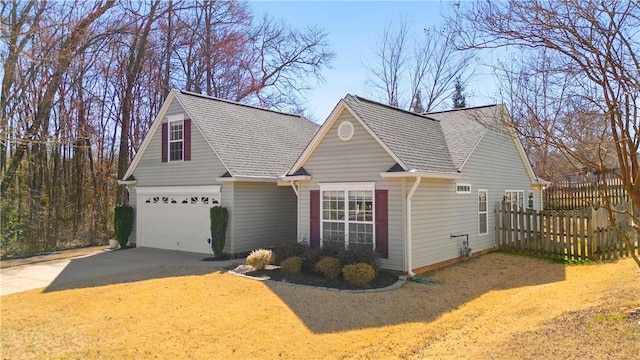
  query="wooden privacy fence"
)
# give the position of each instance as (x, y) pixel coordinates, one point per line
(577, 234)
(574, 193)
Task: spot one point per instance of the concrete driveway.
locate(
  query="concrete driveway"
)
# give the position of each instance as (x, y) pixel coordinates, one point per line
(106, 267)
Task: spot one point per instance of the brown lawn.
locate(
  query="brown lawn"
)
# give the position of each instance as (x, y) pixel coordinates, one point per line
(497, 306)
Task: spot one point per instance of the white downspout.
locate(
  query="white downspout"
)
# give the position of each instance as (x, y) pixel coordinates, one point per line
(297, 191)
(408, 249)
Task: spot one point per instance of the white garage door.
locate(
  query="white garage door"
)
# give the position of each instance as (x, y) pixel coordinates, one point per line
(175, 218)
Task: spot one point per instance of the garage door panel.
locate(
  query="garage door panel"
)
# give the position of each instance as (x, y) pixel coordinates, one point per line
(176, 221)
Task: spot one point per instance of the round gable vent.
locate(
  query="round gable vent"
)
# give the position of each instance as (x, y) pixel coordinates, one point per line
(345, 130)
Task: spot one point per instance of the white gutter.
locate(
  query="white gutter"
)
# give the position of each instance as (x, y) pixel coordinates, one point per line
(297, 191)
(127, 182)
(247, 178)
(408, 249)
(425, 174)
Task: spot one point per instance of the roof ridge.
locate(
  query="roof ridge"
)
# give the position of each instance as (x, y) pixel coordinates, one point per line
(185, 92)
(392, 107)
(461, 109)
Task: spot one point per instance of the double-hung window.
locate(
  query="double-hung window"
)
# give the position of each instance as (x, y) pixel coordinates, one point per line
(483, 228)
(514, 198)
(176, 140)
(348, 215)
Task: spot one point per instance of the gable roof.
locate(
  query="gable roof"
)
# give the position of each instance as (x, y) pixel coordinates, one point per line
(419, 143)
(418, 146)
(464, 128)
(251, 142)
(437, 143)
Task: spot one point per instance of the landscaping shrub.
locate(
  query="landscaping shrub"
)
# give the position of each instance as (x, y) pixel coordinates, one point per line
(123, 224)
(291, 266)
(329, 267)
(313, 255)
(219, 217)
(359, 274)
(284, 252)
(360, 254)
(260, 258)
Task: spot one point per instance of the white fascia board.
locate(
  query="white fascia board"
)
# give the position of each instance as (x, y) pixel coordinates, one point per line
(127, 182)
(247, 179)
(195, 123)
(347, 186)
(324, 129)
(375, 136)
(320, 134)
(206, 189)
(288, 179)
(423, 174)
(506, 118)
(147, 139)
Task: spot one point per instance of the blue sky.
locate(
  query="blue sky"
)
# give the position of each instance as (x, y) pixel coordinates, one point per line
(354, 28)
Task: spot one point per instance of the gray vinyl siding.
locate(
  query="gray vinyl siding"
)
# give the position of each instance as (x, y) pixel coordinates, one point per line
(360, 159)
(202, 169)
(438, 212)
(226, 200)
(264, 215)
(134, 205)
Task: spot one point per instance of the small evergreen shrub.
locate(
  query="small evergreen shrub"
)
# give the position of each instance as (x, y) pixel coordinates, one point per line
(360, 274)
(313, 255)
(286, 251)
(360, 254)
(291, 266)
(218, 217)
(123, 224)
(260, 258)
(329, 267)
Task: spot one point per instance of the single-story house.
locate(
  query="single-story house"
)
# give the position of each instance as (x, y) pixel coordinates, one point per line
(202, 152)
(412, 186)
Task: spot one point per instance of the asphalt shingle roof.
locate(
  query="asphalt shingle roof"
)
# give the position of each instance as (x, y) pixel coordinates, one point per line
(250, 141)
(463, 129)
(416, 140)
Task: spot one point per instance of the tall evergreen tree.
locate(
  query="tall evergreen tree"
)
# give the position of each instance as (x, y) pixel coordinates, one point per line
(459, 99)
(417, 104)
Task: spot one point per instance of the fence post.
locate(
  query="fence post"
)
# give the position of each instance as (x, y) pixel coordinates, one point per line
(498, 215)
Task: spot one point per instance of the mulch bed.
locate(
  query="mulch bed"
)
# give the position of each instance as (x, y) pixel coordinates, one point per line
(383, 279)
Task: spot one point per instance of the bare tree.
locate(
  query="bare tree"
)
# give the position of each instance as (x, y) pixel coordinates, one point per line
(82, 83)
(594, 48)
(406, 69)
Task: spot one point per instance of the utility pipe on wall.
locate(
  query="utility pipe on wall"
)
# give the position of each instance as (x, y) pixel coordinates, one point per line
(408, 249)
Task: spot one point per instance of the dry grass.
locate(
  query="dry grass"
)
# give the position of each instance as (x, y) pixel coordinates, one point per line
(494, 306)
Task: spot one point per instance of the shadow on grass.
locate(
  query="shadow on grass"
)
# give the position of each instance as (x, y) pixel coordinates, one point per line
(131, 265)
(325, 311)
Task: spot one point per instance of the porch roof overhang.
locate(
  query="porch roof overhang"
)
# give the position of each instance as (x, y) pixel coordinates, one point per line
(288, 179)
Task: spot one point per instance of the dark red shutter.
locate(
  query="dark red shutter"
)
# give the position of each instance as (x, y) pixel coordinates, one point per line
(382, 223)
(165, 141)
(314, 215)
(187, 139)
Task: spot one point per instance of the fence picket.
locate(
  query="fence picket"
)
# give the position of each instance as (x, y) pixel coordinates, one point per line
(571, 234)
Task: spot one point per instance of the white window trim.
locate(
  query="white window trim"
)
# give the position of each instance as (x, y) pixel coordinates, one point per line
(174, 119)
(524, 204)
(347, 126)
(347, 187)
(533, 198)
(485, 212)
(464, 191)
